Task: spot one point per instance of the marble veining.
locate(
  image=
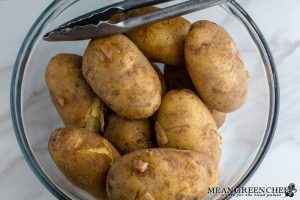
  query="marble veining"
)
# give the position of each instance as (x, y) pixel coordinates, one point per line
(279, 23)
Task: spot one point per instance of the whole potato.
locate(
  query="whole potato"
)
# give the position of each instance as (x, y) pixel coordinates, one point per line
(84, 158)
(177, 77)
(160, 42)
(161, 174)
(215, 67)
(161, 77)
(129, 135)
(122, 77)
(184, 122)
(76, 103)
(218, 116)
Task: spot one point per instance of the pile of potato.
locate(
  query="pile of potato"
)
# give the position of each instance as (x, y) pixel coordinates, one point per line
(114, 101)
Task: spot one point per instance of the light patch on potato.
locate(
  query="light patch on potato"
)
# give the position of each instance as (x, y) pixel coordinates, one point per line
(94, 119)
(140, 165)
(106, 150)
(160, 134)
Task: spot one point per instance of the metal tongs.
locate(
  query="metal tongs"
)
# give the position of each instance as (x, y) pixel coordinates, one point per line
(96, 24)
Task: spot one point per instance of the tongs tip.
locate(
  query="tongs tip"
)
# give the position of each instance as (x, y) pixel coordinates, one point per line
(51, 36)
(46, 37)
(57, 34)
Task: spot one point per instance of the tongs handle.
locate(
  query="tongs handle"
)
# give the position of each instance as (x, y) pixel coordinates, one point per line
(128, 5)
(169, 12)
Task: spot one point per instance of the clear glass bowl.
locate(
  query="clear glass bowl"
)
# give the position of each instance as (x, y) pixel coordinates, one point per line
(246, 134)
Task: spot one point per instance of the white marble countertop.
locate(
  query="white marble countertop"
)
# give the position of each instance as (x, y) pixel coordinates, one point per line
(279, 22)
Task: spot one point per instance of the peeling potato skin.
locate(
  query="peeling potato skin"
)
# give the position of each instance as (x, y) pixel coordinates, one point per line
(184, 122)
(129, 135)
(122, 77)
(215, 67)
(162, 174)
(71, 95)
(160, 42)
(83, 157)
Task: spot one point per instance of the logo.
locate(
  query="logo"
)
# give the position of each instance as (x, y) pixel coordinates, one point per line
(270, 192)
(291, 190)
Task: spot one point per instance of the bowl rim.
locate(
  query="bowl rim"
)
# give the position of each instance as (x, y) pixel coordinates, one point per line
(17, 76)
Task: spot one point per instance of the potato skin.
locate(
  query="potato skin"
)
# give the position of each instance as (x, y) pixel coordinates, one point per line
(122, 77)
(167, 36)
(129, 135)
(161, 174)
(218, 116)
(76, 103)
(161, 77)
(160, 42)
(184, 122)
(215, 67)
(84, 158)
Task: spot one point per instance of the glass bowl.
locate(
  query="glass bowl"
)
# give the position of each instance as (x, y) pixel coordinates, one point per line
(247, 133)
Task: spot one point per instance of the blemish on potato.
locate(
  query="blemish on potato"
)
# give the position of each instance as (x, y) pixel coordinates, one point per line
(60, 101)
(160, 134)
(140, 165)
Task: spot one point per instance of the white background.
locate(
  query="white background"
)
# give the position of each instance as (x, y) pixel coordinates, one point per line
(278, 20)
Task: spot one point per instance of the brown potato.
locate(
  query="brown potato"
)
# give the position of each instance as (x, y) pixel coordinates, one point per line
(184, 122)
(122, 77)
(129, 135)
(218, 116)
(84, 158)
(161, 77)
(162, 174)
(160, 42)
(215, 67)
(76, 103)
(177, 77)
